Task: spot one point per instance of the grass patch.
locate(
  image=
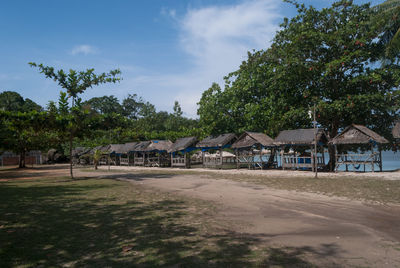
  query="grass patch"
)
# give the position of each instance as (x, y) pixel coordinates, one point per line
(102, 222)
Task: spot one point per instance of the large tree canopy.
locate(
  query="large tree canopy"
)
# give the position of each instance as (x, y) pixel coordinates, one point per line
(328, 58)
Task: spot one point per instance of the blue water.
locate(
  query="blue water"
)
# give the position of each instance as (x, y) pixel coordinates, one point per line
(390, 161)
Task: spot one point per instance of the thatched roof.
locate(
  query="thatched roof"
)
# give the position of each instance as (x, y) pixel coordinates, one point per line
(127, 147)
(116, 148)
(396, 130)
(300, 137)
(182, 144)
(79, 151)
(249, 139)
(102, 148)
(141, 146)
(159, 146)
(357, 134)
(218, 141)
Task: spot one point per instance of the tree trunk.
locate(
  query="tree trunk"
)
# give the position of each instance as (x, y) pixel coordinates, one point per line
(271, 158)
(22, 159)
(70, 156)
(331, 148)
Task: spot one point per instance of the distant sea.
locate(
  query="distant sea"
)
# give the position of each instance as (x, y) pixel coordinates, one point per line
(390, 162)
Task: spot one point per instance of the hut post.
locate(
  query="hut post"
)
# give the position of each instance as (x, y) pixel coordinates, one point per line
(237, 158)
(220, 154)
(380, 159)
(372, 160)
(172, 158)
(203, 155)
(336, 159)
(261, 161)
(312, 159)
(323, 155)
(282, 163)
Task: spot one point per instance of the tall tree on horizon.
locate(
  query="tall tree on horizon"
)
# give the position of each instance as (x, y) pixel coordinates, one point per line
(75, 83)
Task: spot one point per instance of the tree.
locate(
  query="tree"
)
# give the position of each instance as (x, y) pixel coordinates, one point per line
(13, 102)
(325, 57)
(23, 131)
(177, 109)
(105, 105)
(387, 19)
(75, 83)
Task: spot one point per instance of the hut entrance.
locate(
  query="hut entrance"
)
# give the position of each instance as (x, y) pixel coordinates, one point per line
(180, 152)
(297, 148)
(254, 151)
(213, 153)
(351, 141)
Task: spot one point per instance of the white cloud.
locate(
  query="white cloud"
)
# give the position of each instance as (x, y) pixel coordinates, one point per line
(216, 40)
(83, 49)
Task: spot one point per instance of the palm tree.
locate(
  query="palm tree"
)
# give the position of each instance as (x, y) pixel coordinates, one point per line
(97, 155)
(388, 19)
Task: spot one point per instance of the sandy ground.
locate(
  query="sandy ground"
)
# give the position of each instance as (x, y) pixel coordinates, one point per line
(329, 231)
(385, 175)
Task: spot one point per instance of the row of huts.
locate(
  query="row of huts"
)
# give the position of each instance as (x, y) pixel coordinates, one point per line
(291, 149)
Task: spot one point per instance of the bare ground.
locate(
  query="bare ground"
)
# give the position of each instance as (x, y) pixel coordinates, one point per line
(329, 231)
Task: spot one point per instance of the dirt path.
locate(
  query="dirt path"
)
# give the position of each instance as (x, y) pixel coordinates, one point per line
(329, 231)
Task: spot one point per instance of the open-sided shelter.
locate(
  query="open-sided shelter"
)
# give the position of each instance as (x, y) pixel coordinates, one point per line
(139, 150)
(302, 140)
(180, 151)
(126, 154)
(157, 153)
(254, 149)
(104, 151)
(79, 155)
(361, 136)
(218, 143)
(115, 152)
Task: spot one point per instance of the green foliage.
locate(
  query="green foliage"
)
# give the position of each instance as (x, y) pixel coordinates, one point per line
(324, 57)
(13, 102)
(387, 20)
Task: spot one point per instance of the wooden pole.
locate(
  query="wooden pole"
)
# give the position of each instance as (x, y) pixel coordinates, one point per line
(372, 161)
(315, 145)
(380, 159)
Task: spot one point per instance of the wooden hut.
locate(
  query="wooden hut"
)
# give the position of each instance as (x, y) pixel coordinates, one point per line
(115, 152)
(180, 151)
(358, 136)
(218, 143)
(300, 141)
(251, 150)
(80, 155)
(126, 154)
(104, 150)
(139, 151)
(157, 153)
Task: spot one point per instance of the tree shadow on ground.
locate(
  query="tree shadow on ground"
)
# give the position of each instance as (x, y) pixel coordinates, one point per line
(105, 223)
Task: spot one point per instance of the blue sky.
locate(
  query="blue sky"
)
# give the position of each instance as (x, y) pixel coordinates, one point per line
(167, 50)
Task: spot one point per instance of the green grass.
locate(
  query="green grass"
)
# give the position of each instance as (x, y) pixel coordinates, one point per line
(51, 222)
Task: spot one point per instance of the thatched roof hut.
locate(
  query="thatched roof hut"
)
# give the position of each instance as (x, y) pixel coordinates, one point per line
(79, 151)
(158, 146)
(116, 148)
(102, 148)
(300, 137)
(396, 130)
(358, 134)
(128, 147)
(223, 140)
(183, 144)
(140, 146)
(249, 139)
